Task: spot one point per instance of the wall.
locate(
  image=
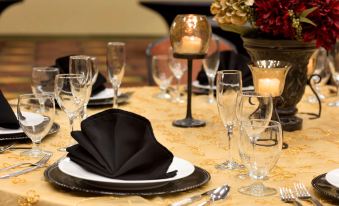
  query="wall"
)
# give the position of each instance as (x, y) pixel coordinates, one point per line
(81, 17)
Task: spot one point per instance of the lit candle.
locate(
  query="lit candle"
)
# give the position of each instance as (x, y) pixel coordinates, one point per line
(189, 45)
(269, 86)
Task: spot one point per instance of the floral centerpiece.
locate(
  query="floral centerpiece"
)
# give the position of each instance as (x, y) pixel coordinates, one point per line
(285, 30)
(305, 20)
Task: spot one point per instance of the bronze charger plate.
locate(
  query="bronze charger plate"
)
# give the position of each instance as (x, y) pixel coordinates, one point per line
(22, 136)
(323, 187)
(56, 177)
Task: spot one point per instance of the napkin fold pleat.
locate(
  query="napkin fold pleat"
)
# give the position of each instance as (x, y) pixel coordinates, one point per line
(8, 119)
(120, 144)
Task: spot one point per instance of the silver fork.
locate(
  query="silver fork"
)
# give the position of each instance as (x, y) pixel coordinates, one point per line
(303, 194)
(287, 196)
(38, 163)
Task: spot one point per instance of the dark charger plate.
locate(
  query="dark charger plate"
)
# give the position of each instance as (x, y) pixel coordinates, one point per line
(53, 175)
(122, 99)
(321, 185)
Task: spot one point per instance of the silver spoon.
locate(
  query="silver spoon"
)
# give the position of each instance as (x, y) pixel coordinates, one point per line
(218, 194)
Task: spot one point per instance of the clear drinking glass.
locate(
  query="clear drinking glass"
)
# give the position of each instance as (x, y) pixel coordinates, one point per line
(116, 62)
(260, 145)
(333, 60)
(43, 80)
(82, 65)
(178, 68)
(229, 85)
(211, 64)
(162, 75)
(36, 115)
(70, 93)
(321, 68)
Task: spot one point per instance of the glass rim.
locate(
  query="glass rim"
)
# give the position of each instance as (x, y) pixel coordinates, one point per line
(70, 76)
(191, 14)
(229, 72)
(272, 123)
(116, 43)
(46, 68)
(36, 96)
(77, 57)
(255, 94)
(285, 64)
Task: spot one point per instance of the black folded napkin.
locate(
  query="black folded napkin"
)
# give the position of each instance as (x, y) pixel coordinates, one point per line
(230, 60)
(7, 117)
(121, 145)
(63, 64)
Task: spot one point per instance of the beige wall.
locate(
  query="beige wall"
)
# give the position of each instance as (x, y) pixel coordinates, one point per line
(80, 17)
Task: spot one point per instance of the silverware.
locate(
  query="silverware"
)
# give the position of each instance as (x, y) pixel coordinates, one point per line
(287, 196)
(6, 147)
(38, 164)
(303, 194)
(218, 194)
(192, 199)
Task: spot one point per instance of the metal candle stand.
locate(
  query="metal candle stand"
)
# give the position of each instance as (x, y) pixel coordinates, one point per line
(188, 121)
(275, 116)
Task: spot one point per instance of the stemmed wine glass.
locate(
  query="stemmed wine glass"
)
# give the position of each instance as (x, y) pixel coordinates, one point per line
(43, 80)
(162, 75)
(260, 145)
(85, 66)
(178, 68)
(333, 60)
(116, 62)
(229, 85)
(70, 93)
(211, 64)
(36, 116)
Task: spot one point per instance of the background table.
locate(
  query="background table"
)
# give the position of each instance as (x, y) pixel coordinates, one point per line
(311, 152)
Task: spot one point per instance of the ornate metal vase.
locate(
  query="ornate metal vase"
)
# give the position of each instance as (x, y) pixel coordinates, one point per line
(298, 54)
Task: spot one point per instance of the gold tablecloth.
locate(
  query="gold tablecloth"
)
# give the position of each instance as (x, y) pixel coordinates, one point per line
(312, 151)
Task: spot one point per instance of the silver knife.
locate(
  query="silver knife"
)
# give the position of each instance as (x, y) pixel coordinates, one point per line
(42, 162)
(194, 198)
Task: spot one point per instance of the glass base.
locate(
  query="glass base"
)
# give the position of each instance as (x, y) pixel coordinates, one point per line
(33, 153)
(334, 104)
(178, 100)
(257, 190)
(188, 122)
(211, 100)
(162, 95)
(229, 165)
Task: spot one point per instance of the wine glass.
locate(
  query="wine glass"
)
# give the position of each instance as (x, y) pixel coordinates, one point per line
(82, 64)
(178, 68)
(36, 115)
(43, 80)
(260, 145)
(229, 84)
(162, 75)
(116, 62)
(70, 93)
(321, 68)
(333, 61)
(211, 64)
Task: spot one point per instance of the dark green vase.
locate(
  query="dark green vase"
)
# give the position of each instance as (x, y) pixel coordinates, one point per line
(298, 54)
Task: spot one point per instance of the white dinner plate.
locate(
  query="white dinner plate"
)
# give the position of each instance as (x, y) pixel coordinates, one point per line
(107, 93)
(183, 167)
(30, 116)
(196, 84)
(332, 177)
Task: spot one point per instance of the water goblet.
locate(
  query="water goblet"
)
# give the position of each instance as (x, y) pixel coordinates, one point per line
(70, 93)
(116, 62)
(178, 68)
(43, 80)
(36, 115)
(83, 65)
(260, 145)
(229, 84)
(211, 64)
(162, 75)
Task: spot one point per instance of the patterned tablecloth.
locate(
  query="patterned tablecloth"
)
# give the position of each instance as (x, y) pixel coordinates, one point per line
(312, 151)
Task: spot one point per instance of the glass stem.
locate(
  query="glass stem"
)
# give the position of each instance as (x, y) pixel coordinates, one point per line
(178, 85)
(210, 93)
(229, 135)
(115, 97)
(36, 146)
(83, 112)
(71, 122)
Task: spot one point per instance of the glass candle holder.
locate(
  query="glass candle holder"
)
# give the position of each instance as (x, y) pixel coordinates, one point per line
(269, 76)
(190, 34)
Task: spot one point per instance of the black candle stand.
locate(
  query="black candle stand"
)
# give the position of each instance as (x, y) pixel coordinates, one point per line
(275, 116)
(188, 121)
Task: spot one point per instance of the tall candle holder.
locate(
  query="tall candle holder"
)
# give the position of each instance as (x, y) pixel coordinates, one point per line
(269, 78)
(190, 35)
